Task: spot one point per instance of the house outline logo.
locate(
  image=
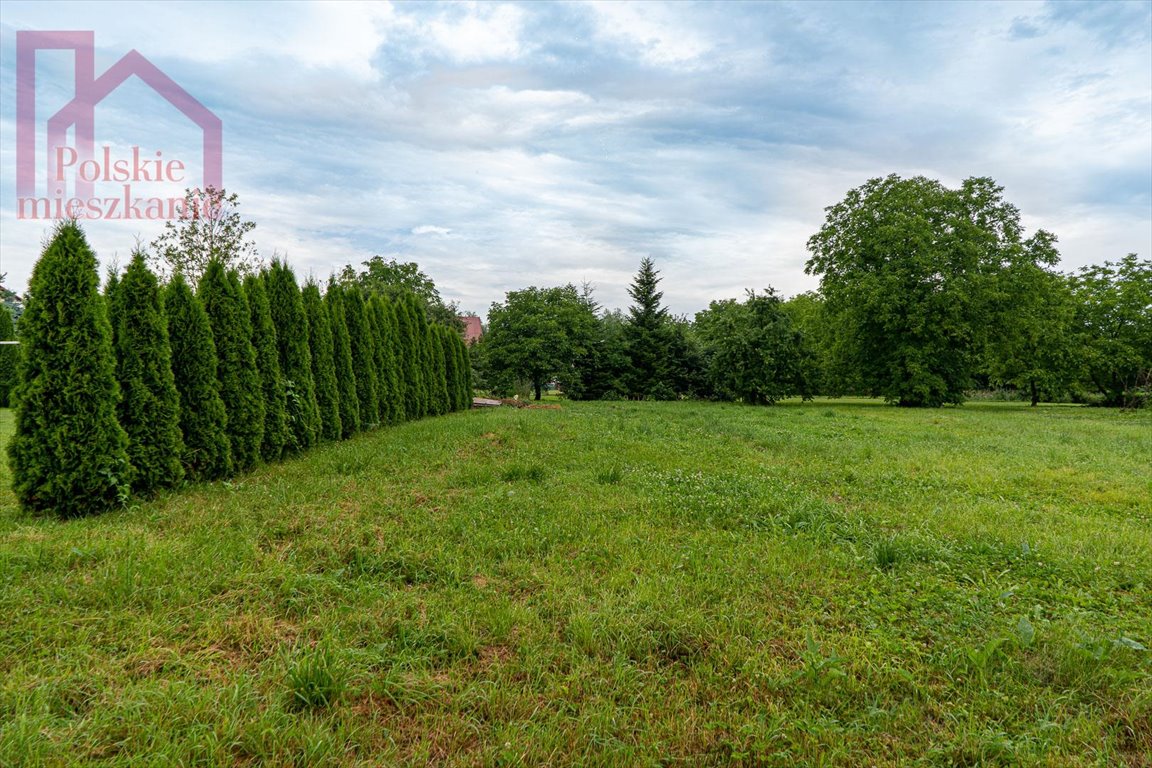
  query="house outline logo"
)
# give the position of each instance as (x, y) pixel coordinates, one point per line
(80, 112)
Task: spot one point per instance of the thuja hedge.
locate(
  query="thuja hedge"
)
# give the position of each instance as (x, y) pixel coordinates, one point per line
(148, 385)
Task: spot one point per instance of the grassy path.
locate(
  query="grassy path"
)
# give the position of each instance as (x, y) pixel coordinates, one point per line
(615, 584)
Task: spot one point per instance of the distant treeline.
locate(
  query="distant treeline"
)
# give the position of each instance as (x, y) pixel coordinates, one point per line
(926, 293)
(208, 374)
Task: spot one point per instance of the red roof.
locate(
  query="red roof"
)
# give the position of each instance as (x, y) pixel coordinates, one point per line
(472, 329)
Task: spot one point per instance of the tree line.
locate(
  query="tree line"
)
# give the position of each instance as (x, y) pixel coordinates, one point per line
(208, 374)
(926, 293)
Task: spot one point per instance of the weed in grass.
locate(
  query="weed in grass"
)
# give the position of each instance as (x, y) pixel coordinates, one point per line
(533, 473)
(610, 476)
(316, 679)
(887, 553)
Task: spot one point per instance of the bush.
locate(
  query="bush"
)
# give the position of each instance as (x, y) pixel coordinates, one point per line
(342, 359)
(69, 454)
(363, 347)
(8, 355)
(149, 408)
(268, 364)
(203, 420)
(287, 309)
(323, 362)
(231, 323)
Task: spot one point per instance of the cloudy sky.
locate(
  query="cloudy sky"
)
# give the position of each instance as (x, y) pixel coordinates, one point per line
(504, 145)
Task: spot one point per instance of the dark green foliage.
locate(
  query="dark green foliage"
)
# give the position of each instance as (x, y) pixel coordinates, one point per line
(363, 344)
(466, 373)
(536, 335)
(291, 324)
(342, 360)
(8, 356)
(911, 272)
(648, 339)
(422, 357)
(1113, 328)
(449, 354)
(149, 407)
(203, 420)
(754, 353)
(440, 404)
(408, 363)
(69, 454)
(323, 362)
(240, 387)
(388, 395)
(393, 280)
(276, 434)
(602, 370)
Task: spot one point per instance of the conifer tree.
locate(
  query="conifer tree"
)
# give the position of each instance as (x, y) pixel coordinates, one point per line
(295, 359)
(231, 321)
(363, 344)
(8, 354)
(427, 367)
(276, 433)
(342, 359)
(412, 359)
(439, 381)
(451, 371)
(203, 420)
(149, 407)
(466, 373)
(391, 402)
(648, 337)
(69, 454)
(323, 361)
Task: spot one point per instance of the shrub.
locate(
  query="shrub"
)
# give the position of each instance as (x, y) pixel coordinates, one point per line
(8, 354)
(231, 323)
(342, 359)
(287, 309)
(268, 365)
(363, 345)
(390, 396)
(149, 407)
(203, 420)
(69, 454)
(323, 362)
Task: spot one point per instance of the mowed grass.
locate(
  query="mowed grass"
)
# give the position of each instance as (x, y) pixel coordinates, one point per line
(614, 584)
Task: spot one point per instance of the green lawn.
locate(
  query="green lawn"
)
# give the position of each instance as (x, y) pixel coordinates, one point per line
(616, 584)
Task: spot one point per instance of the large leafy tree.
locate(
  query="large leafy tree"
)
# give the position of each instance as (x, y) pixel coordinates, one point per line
(909, 269)
(538, 334)
(240, 388)
(276, 432)
(149, 407)
(291, 323)
(395, 279)
(1113, 327)
(203, 419)
(69, 454)
(323, 361)
(754, 353)
(342, 360)
(210, 228)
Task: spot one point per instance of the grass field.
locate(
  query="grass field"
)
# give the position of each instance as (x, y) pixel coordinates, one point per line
(614, 584)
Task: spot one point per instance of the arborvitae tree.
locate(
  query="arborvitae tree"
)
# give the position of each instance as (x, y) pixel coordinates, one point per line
(276, 434)
(451, 368)
(427, 359)
(466, 377)
(408, 358)
(295, 358)
(363, 355)
(69, 454)
(149, 407)
(342, 357)
(323, 362)
(111, 289)
(390, 397)
(231, 322)
(439, 381)
(203, 420)
(8, 353)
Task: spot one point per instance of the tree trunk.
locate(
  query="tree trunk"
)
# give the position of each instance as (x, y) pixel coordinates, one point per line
(537, 386)
(1035, 395)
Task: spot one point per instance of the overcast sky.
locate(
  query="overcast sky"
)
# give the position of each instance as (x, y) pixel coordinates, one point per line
(506, 145)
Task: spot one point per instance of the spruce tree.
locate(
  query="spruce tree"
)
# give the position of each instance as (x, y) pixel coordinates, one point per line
(149, 407)
(323, 361)
(69, 454)
(342, 358)
(391, 399)
(276, 433)
(363, 356)
(648, 337)
(203, 420)
(8, 353)
(231, 321)
(295, 359)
